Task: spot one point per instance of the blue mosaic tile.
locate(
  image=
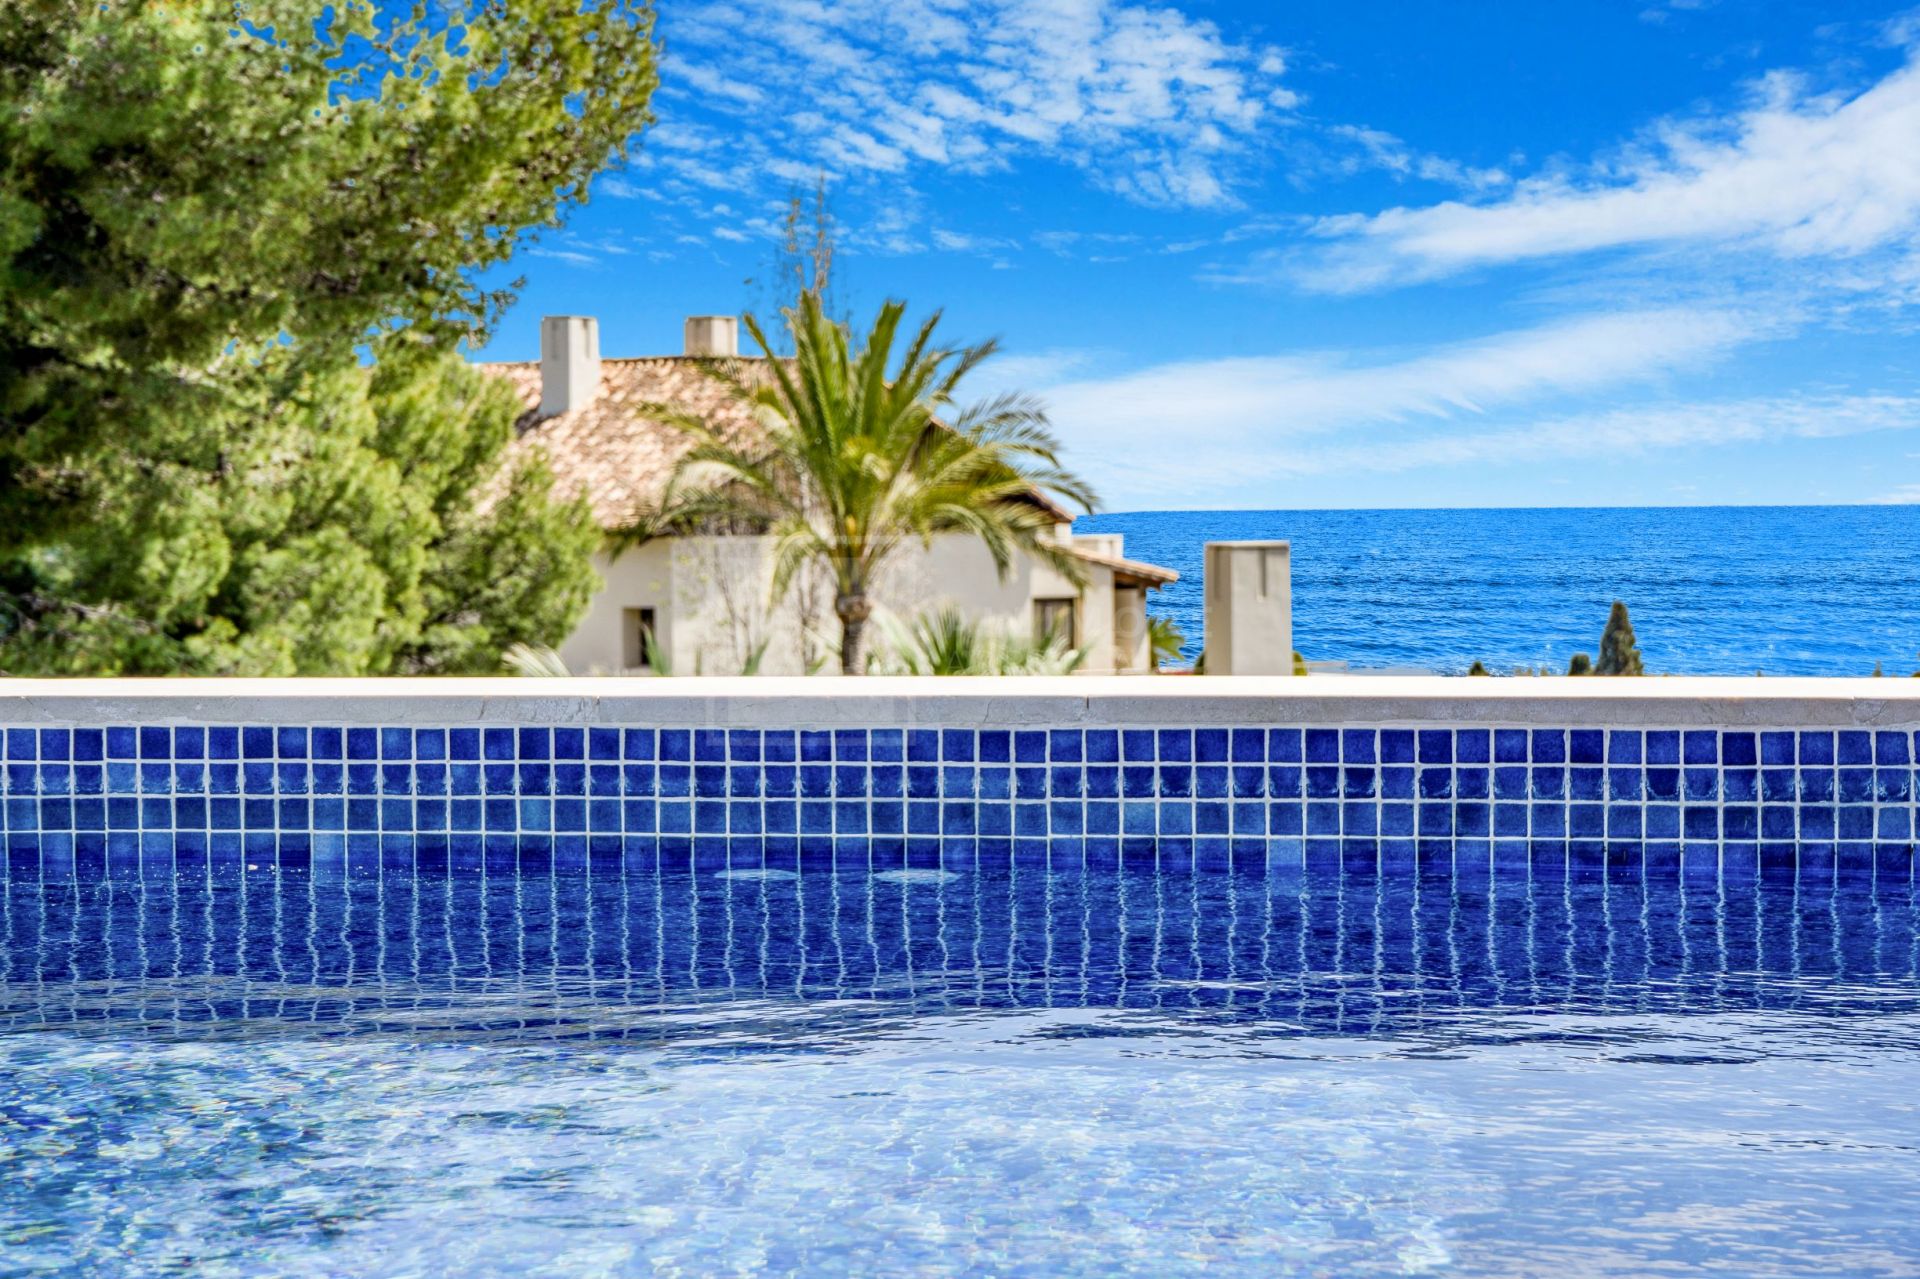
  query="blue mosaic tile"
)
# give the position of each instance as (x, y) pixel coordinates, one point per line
(92, 801)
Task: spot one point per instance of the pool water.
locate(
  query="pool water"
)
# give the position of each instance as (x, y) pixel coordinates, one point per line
(1001, 1071)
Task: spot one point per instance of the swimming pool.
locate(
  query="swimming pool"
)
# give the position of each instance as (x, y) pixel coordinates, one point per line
(1071, 977)
(986, 1069)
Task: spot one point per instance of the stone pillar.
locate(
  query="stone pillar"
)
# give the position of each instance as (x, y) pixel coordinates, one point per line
(1249, 608)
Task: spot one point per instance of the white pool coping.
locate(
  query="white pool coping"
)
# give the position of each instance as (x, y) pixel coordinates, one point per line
(1076, 701)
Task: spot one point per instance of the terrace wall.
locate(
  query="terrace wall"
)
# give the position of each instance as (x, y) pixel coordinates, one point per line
(1722, 778)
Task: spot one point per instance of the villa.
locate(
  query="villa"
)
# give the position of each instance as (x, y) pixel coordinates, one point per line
(698, 604)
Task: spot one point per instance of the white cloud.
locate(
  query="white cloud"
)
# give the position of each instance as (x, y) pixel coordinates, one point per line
(1196, 431)
(1633, 429)
(572, 257)
(1022, 371)
(708, 81)
(960, 242)
(1658, 13)
(1378, 149)
(1796, 173)
(1268, 398)
(1151, 103)
(1217, 478)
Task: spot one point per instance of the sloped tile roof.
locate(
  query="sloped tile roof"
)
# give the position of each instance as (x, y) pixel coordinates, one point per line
(610, 449)
(618, 456)
(1131, 572)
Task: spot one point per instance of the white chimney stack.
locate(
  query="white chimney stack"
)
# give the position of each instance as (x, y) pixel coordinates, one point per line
(713, 335)
(569, 363)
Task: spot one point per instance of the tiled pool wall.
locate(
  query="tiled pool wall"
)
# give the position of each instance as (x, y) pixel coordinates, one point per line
(238, 792)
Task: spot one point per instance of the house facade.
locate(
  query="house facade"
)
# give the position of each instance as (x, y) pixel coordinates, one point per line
(703, 604)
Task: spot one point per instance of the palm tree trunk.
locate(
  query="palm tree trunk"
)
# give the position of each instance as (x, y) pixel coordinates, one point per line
(853, 611)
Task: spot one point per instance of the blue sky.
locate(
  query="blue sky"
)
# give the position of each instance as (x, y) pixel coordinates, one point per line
(1325, 254)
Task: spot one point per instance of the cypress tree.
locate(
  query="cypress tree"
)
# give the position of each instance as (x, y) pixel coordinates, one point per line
(1580, 665)
(1478, 668)
(1619, 654)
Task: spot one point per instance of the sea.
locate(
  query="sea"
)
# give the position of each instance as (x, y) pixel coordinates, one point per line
(1738, 590)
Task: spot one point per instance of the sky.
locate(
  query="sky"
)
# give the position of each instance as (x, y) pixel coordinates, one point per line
(1309, 253)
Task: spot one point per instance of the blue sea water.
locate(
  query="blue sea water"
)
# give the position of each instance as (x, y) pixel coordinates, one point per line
(1801, 590)
(992, 1070)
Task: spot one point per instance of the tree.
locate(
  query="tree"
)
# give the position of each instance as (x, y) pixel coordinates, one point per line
(1478, 668)
(1619, 655)
(803, 260)
(1581, 664)
(342, 536)
(863, 453)
(212, 216)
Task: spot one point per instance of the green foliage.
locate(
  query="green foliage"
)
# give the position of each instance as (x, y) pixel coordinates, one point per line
(1165, 640)
(941, 643)
(657, 660)
(946, 642)
(866, 451)
(1619, 654)
(1299, 663)
(341, 535)
(213, 217)
(1478, 668)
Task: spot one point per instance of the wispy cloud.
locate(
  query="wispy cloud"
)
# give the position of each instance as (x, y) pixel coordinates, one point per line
(961, 242)
(1378, 149)
(1659, 12)
(1214, 479)
(572, 257)
(1797, 174)
(616, 187)
(1242, 419)
(1149, 102)
(1634, 429)
(1270, 397)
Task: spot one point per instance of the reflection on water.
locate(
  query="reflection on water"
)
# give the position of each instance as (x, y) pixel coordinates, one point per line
(607, 957)
(1018, 1073)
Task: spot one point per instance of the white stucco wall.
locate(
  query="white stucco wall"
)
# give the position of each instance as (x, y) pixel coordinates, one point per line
(710, 597)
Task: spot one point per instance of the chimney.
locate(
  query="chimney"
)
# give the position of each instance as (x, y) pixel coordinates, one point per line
(569, 363)
(713, 335)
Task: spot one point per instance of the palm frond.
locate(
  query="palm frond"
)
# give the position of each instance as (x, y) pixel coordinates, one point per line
(858, 456)
(535, 660)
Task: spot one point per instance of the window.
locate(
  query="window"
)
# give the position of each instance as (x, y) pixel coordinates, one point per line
(638, 638)
(1056, 620)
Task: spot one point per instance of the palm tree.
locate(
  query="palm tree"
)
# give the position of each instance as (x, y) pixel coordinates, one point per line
(1165, 639)
(862, 453)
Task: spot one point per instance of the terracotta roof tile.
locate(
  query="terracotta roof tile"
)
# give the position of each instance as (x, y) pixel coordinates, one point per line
(1137, 570)
(610, 449)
